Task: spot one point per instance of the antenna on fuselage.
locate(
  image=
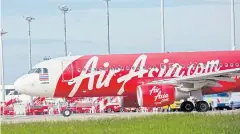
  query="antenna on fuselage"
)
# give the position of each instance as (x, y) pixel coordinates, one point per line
(47, 58)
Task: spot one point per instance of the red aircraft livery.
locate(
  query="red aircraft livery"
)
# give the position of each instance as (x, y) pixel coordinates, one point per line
(146, 79)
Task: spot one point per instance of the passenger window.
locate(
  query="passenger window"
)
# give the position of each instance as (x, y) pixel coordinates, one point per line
(237, 64)
(162, 66)
(133, 68)
(127, 68)
(199, 65)
(226, 64)
(149, 67)
(100, 68)
(122, 68)
(193, 65)
(220, 65)
(231, 64)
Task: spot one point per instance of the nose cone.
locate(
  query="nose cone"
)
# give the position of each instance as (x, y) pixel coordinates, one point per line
(29, 84)
(20, 85)
(24, 84)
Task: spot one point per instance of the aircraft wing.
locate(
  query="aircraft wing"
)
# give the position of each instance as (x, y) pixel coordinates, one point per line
(200, 80)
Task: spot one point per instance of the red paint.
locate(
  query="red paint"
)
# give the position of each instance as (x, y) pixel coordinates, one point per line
(183, 58)
(156, 95)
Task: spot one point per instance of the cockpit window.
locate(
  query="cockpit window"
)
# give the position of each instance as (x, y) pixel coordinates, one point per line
(45, 70)
(38, 70)
(32, 70)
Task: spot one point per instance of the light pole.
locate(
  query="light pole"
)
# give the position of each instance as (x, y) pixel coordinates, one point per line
(109, 51)
(65, 10)
(162, 28)
(108, 36)
(29, 20)
(233, 34)
(2, 67)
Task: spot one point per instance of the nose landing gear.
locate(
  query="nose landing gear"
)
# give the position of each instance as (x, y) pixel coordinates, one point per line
(66, 112)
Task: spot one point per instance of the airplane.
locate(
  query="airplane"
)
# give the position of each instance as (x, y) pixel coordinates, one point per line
(144, 79)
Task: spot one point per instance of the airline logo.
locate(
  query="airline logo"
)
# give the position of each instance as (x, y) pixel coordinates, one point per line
(159, 96)
(102, 78)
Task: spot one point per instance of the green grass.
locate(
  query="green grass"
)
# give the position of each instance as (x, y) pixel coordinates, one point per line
(154, 124)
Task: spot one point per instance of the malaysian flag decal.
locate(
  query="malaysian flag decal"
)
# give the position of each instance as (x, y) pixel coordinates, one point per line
(43, 77)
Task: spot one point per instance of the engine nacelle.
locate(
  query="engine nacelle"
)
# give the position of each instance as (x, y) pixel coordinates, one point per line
(158, 95)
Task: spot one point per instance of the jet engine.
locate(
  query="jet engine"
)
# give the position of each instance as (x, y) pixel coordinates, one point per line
(158, 95)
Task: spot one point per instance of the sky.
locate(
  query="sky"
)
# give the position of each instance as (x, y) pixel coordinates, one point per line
(190, 25)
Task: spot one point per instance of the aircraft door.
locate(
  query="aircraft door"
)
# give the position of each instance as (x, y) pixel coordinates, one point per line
(67, 69)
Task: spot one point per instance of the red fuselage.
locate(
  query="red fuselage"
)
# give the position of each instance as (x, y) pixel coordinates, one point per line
(120, 74)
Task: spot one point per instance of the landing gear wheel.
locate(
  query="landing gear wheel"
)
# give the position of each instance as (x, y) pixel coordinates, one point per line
(187, 106)
(202, 106)
(66, 112)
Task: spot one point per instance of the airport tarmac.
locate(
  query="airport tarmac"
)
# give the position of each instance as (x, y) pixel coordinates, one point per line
(95, 116)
